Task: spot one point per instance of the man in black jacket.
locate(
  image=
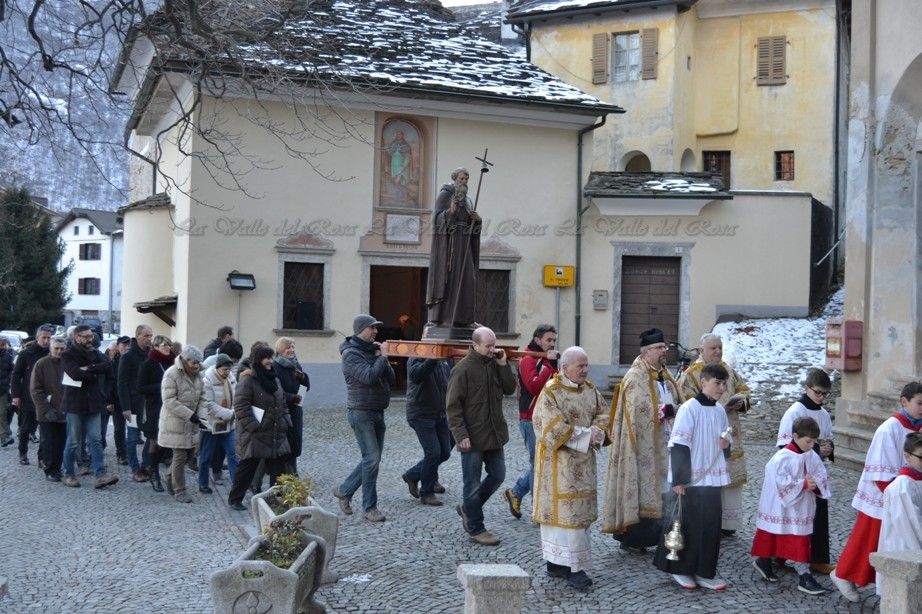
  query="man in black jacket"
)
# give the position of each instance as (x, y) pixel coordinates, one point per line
(369, 378)
(225, 334)
(85, 370)
(428, 382)
(19, 387)
(6, 370)
(131, 403)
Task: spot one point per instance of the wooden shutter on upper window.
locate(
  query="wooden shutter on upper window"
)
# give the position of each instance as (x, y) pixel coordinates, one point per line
(600, 57)
(770, 60)
(649, 53)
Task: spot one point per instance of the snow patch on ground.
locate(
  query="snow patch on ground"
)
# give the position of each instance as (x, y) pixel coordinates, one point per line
(773, 354)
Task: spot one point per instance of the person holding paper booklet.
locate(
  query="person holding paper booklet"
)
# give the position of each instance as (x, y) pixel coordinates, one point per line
(48, 395)
(217, 415)
(150, 375)
(263, 421)
(292, 377)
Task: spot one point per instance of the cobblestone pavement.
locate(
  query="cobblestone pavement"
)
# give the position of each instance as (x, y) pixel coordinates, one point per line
(129, 549)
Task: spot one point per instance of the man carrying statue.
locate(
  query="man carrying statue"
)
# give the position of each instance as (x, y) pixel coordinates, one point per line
(455, 256)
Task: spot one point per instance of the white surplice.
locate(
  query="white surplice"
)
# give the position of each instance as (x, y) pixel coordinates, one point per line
(882, 464)
(785, 507)
(799, 410)
(699, 427)
(563, 546)
(901, 528)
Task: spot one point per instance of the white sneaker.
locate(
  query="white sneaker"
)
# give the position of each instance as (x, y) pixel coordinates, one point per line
(715, 584)
(686, 582)
(845, 587)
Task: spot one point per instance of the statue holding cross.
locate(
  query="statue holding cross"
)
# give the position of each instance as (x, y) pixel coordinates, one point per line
(455, 257)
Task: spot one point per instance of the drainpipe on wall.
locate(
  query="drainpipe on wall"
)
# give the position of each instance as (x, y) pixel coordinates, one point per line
(580, 210)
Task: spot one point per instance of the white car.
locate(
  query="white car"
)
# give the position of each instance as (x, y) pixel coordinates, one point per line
(15, 338)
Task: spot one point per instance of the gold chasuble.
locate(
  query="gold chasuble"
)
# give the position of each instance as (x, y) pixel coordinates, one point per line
(565, 479)
(690, 385)
(637, 459)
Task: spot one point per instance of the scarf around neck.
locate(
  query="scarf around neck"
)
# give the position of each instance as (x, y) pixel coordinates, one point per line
(265, 378)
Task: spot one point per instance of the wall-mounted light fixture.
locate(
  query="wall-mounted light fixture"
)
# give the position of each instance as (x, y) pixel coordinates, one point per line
(241, 281)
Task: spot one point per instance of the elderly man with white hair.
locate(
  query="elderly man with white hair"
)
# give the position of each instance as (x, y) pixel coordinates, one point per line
(571, 423)
(735, 401)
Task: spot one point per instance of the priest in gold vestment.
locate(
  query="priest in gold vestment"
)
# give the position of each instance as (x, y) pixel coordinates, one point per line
(571, 423)
(642, 413)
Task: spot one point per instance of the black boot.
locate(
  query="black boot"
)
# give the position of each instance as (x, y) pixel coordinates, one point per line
(155, 480)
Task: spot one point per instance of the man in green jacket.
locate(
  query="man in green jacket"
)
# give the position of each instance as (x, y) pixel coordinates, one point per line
(474, 407)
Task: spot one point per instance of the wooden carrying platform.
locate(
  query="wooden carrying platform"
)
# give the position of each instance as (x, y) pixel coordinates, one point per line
(444, 348)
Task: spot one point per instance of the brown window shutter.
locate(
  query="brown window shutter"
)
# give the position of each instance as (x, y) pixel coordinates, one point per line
(770, 60)
(600, 57)
(649, 53)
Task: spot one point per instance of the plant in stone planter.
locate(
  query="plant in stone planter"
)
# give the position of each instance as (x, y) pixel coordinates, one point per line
(279, 572)
(291, 491)
(291, 499)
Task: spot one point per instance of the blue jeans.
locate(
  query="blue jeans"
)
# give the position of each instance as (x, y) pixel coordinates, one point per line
(206, 446)
(436, 440)
(369, 428)
(476, 493)
(131, 450)
(78, 427)
(523, 485)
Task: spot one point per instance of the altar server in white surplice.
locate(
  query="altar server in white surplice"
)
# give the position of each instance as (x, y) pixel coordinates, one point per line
(901, 526)
(698, 450)
(795, 478)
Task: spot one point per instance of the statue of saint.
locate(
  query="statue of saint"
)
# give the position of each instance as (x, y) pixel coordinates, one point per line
(455, 257)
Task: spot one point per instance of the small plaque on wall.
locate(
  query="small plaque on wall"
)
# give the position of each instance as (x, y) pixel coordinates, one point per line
(401, 228)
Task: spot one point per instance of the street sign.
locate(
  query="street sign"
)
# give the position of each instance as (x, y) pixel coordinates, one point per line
(559, 276)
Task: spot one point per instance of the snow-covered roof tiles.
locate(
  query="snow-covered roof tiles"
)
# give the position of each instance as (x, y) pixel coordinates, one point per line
(655, 185)
(406, 47)
(531, 9)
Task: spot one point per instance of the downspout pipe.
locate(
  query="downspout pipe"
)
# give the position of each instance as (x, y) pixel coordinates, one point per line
(580, 210)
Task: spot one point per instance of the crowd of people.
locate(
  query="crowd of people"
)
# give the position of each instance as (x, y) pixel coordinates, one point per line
(182, 408)
(673, 480)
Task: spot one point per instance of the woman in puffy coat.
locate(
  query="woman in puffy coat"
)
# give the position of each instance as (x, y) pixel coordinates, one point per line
(150, 375)
(262, 424)
(183, 395)
(217, 416)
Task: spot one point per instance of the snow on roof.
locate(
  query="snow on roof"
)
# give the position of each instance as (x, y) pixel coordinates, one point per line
(524, 11)
(614, 184)
(406, 46)
(773, 354)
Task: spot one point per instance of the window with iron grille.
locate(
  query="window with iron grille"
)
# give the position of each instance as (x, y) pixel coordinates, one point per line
(493, 299)
(88, 285)
(90, 251)
(303, 296)
(784, 166)
(718, 162)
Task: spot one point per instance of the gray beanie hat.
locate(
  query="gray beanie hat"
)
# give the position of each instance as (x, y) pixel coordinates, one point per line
(222, 360)
(191, 353)
(363, 321)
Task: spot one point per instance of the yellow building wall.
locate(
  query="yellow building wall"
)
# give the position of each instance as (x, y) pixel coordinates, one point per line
(705, 95)
(734, 113)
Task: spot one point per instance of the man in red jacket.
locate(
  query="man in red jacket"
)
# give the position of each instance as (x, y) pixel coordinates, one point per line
(533, 374)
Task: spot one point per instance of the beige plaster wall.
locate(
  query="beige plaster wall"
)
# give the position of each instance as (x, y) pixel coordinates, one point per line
(534, 171)
(147, 266)
(730, 262)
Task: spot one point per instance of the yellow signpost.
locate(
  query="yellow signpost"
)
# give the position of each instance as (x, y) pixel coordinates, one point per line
(559, 276)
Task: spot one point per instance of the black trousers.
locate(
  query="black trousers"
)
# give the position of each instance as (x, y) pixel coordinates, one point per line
(27, 425)
(119, 428)
(819, 541)
(54, 436)
(701, 530)
(246, 469)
